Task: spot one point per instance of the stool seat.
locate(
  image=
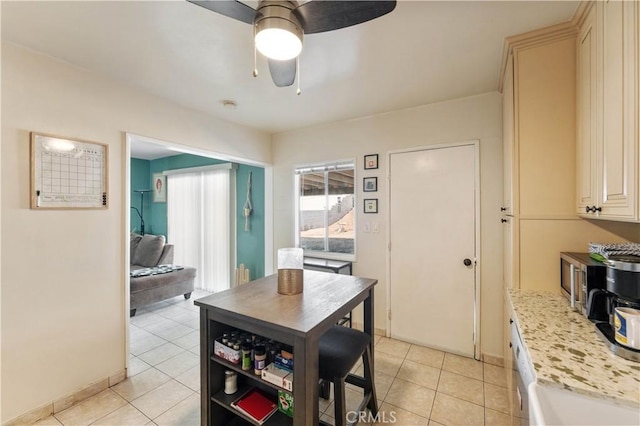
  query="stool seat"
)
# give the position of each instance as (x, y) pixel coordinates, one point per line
(339, 349)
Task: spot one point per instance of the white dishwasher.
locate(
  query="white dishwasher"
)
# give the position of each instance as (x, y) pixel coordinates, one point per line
(525, 375)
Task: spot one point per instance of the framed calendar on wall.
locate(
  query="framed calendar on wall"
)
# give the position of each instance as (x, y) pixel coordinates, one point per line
(68, 173)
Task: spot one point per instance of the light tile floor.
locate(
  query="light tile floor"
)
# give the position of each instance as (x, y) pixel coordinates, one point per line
(415, 385)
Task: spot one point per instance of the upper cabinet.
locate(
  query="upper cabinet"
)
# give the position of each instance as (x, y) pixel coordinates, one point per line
(586, 149)
(608, 88)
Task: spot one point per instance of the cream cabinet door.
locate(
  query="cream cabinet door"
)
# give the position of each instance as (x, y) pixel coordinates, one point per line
(586, 191)
(509, 255)
(619, 163)
(508, 139)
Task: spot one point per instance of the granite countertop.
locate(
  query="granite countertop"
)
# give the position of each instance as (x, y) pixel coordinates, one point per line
(567, 353)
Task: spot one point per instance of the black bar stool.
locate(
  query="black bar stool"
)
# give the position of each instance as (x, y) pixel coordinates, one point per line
(339, 350)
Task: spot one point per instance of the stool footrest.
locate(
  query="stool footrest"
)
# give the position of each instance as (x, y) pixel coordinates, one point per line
(356, 380)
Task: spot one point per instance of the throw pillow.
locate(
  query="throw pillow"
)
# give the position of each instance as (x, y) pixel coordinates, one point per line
(134, 240)
(149, 250)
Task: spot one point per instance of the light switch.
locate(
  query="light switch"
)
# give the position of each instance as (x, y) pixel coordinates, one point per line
(367, 227)
(374, 227)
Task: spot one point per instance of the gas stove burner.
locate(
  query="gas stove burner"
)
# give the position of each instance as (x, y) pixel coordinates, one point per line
(606, 333)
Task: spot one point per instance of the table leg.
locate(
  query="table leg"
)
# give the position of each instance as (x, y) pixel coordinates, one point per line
(369, 329)
(204, 368)
(305, 382)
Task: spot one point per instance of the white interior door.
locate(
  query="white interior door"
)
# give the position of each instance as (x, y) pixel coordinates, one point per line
(432, 232)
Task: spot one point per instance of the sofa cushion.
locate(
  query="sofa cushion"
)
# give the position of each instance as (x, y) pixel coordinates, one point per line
(134, 240)
(149, 250)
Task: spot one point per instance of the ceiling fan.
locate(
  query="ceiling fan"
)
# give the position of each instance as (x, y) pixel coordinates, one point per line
(279, 26)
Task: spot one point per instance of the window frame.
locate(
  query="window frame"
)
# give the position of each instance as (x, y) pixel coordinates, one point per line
(328, 166)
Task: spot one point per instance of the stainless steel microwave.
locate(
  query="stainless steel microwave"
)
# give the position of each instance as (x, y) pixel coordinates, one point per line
(579, 274)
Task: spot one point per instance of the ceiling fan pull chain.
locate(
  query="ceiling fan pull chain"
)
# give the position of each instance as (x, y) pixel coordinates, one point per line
(255, 54)
(298, 74)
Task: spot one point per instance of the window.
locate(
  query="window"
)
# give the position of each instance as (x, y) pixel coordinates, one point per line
(325, 205)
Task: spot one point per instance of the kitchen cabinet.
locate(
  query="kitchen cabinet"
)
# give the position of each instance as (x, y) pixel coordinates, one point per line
(508, 140)
(539, 106)
(586, 151)
(608, 160)
(538, 141)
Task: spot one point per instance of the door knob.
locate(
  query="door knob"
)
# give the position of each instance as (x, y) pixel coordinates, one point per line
(467, 262)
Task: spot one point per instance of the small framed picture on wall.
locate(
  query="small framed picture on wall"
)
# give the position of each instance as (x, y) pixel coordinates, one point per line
(371, 161)
(371, 205)
(370, 184)
(159, 188)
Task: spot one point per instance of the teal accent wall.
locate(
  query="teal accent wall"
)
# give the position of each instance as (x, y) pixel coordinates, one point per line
(250, 244)
(140, 180)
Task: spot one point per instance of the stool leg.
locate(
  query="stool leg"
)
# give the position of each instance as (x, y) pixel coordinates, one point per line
(339, 401)
(370, 385)
(325, 389)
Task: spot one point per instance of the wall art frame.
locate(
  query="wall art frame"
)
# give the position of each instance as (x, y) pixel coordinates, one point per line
(370, 184)
(371, 205)
(68, 173)
(159, 188)
(371, 161)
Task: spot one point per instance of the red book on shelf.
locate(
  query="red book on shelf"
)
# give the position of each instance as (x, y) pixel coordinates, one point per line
(255, 405)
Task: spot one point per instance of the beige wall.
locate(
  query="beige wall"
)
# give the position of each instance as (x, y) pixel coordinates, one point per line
(63, 318)
(477, 117)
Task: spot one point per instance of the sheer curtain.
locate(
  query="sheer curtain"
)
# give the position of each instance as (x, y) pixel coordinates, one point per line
(199, 224)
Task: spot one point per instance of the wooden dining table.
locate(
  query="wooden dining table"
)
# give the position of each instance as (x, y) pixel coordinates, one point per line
(295, 320)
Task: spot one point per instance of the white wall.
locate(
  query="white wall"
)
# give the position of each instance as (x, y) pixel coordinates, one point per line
(477, 117)
(63, 318)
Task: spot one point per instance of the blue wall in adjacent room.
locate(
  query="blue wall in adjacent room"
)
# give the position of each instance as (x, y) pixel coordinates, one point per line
(250, 244)
(140, 172)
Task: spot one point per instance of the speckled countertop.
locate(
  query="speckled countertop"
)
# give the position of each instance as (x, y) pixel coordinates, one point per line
(567, 353)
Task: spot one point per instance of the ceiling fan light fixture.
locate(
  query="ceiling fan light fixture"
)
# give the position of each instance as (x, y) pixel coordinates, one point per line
(278, 33)
(279, 44)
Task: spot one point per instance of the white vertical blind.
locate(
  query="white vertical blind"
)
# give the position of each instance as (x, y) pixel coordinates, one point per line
(199, 224)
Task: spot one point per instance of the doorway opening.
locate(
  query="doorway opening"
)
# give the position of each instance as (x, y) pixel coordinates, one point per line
(163, 337)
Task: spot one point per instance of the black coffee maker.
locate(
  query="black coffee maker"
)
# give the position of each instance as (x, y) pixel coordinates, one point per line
(623, 290)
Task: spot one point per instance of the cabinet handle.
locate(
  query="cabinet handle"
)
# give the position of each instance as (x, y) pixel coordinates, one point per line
(503, 209)
(510, 345)
(587, 209)
(504, 220)
(510, 321)
(597, 209)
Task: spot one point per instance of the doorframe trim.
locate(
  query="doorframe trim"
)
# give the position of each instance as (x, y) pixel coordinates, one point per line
(477, 270)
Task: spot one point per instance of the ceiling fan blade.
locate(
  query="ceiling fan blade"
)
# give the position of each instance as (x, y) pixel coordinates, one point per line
(232, 9)
(283, 73)
(321, 16)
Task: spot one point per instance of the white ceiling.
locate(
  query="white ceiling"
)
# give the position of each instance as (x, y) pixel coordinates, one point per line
(422, 52)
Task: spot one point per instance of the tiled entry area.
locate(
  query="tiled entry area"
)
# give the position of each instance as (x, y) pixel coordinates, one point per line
(420, 386)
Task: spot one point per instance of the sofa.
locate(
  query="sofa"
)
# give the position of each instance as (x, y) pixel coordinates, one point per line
(153, 276)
